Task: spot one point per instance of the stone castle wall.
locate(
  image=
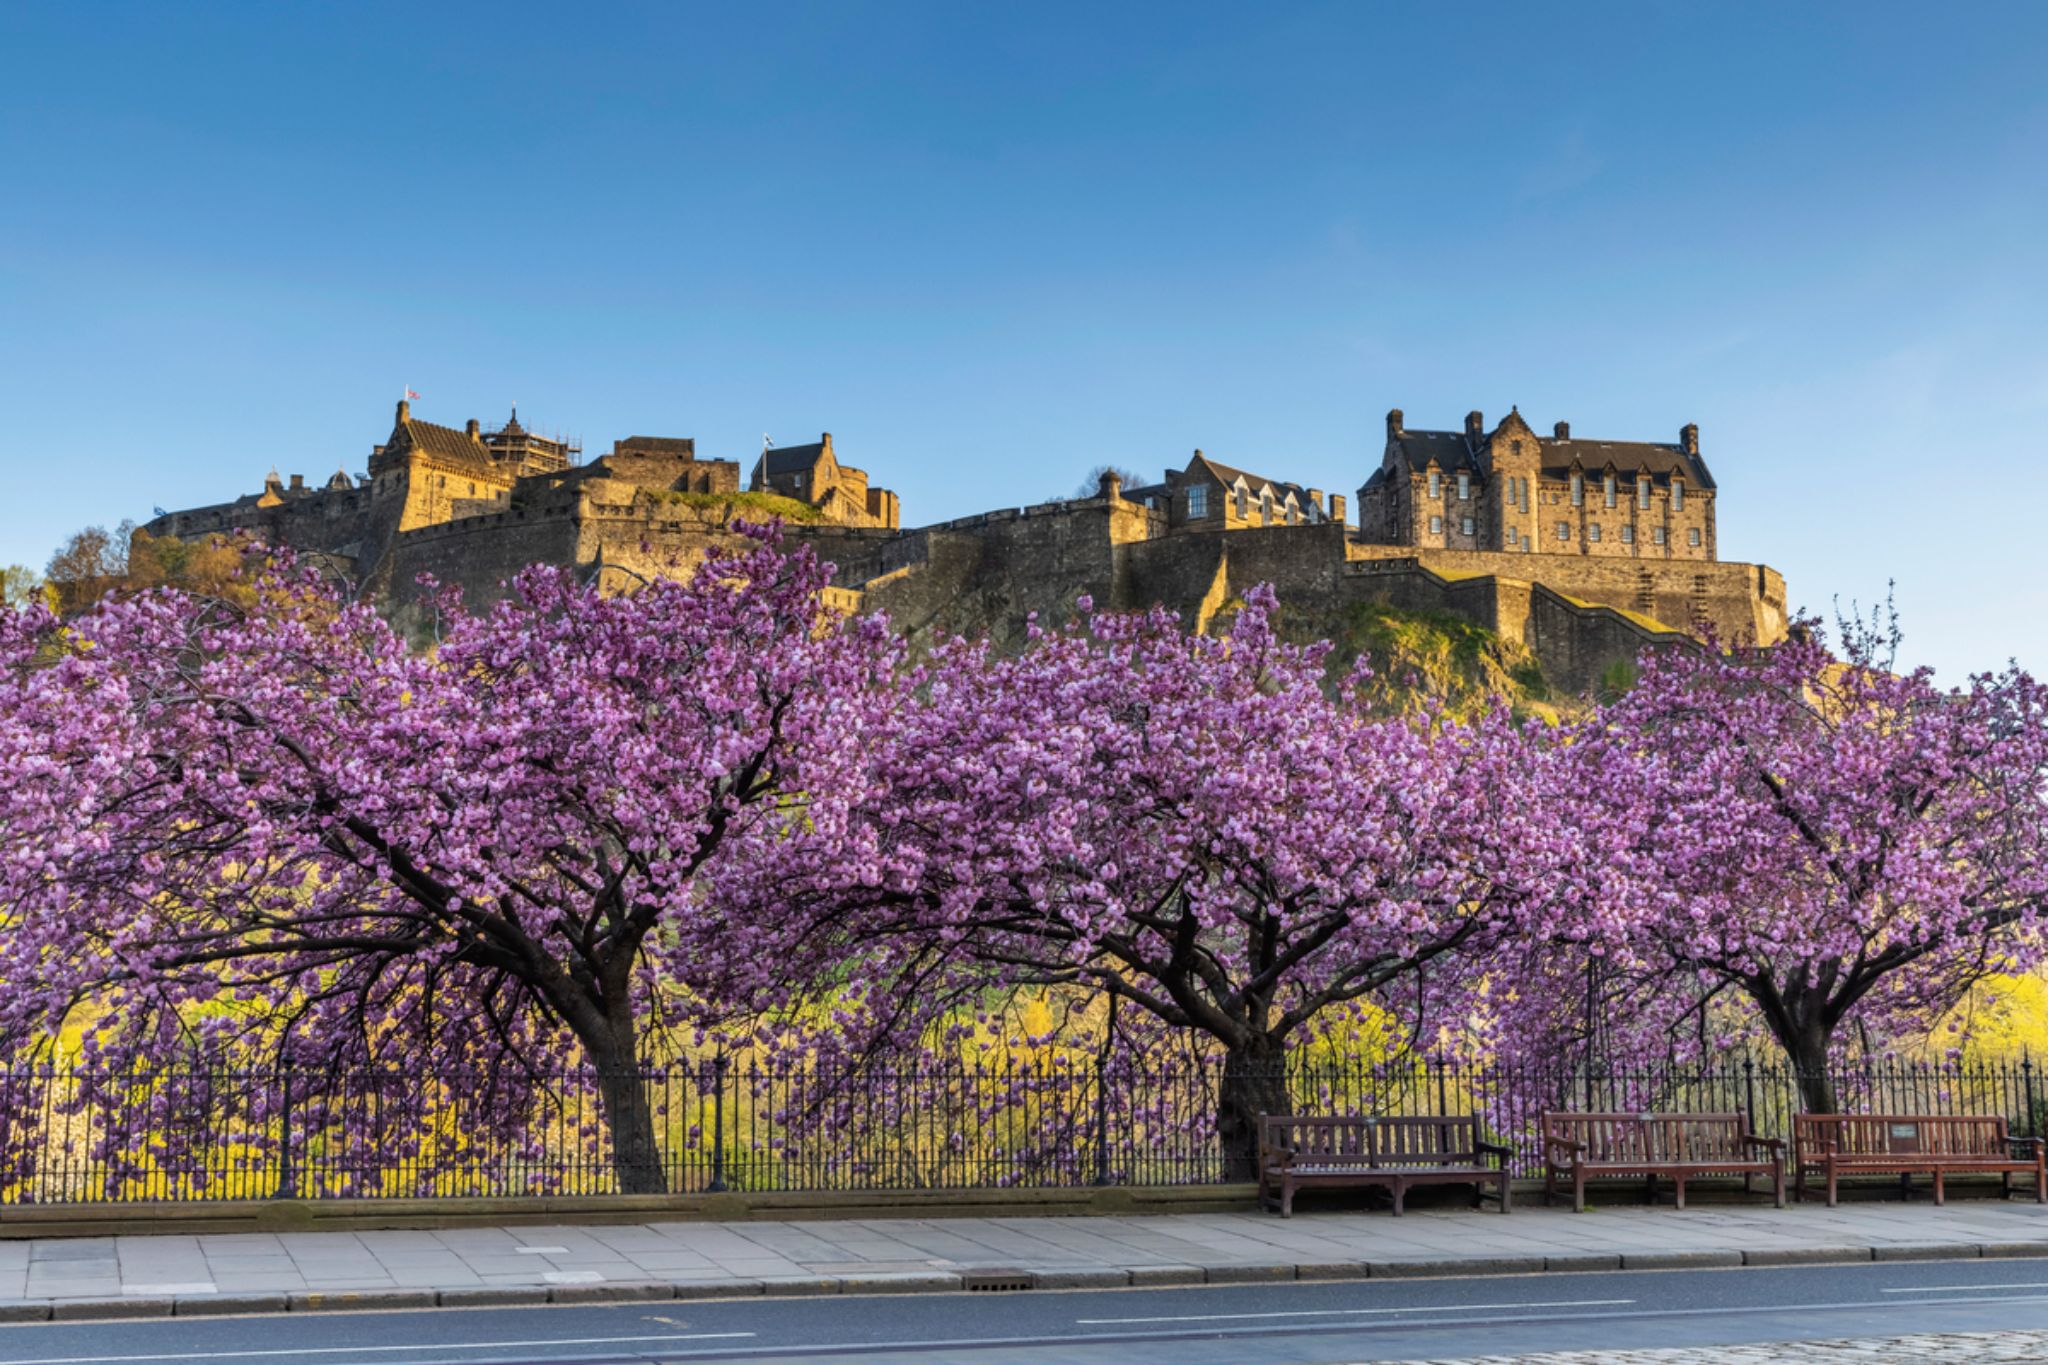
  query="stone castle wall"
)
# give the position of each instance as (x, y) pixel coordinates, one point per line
(1741, 601)
(992, 572)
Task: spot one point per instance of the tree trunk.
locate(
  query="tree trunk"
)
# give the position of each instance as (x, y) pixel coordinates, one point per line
(1808, 1048)
(1254, 1085)
(628, 1113)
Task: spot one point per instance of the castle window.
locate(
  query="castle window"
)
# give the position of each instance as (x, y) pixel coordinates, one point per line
(1607, 486)
(1244, 505)
(1564, 530)
(1628, 535)
(1643, 492)
(1466, 526)
(1464, 486)
(1692, 537)
(1677, 494)
(1198, 501)
(1657, 536)
(1514, 536)
(1436, 484)
(1578, 490)
(1266, 507)
(1593, 531)
(1436, 526)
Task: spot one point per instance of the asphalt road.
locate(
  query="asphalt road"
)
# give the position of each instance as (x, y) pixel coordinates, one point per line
(1295, 1324)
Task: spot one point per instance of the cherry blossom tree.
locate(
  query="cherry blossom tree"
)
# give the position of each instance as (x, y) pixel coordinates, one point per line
(264, 823)
(1821, 838)
(1189, 825)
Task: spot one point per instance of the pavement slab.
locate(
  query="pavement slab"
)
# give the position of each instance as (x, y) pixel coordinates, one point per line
(103, 1276)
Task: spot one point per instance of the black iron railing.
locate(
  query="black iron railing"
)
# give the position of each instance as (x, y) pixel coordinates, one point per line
(76, 1134)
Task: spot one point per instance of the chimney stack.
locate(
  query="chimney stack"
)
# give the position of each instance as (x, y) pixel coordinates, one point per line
(298, 483)
(1393, 423)
(1689, 438)
(1111, 484)
(1337, 508)
(1563, 431)
(1475, 427)
(404, 412)
(475, 429)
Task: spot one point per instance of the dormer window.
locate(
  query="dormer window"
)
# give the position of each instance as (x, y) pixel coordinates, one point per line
(1198, 501)
(1265, 507)
(1244, 503)
(1643, 491)
(1578, 490)
(1608, 487)
(1436, 484)
(1678, 495)
(1464, 486)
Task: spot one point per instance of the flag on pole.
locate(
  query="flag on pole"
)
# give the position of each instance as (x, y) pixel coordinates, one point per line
(411, 394)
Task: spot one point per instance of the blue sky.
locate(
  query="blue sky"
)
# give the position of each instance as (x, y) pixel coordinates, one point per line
(991, 247)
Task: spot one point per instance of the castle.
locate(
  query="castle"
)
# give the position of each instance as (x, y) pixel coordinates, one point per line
(1584, 551)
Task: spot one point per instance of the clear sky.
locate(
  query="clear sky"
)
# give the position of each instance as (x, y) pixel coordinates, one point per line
(989, 247)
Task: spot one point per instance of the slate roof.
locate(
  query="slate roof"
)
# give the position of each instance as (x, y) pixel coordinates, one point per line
(1451, 453)
(1663, 461)
(792, 459)
(1227, 475)
(444, 443)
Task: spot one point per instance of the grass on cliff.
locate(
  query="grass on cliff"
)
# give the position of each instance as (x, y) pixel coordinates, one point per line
(751, 506)
(1419, 656)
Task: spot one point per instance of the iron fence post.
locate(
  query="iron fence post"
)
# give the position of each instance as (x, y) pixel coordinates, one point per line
(1101, 1123)
(716, 1184)
(287, 1172)
(2033, 1114)
(1749, 1089)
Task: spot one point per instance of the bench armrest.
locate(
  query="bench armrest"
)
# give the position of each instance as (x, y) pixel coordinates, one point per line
(1552, 1142)
(1769, 1144)
(2034, 1145)
(1499, 1149)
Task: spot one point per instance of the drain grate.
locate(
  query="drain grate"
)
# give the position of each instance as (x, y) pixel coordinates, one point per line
(994, 1281)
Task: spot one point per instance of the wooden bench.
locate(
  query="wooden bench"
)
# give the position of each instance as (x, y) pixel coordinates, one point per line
(1297, 1152)
(1681, 1146)
(1830, 1146)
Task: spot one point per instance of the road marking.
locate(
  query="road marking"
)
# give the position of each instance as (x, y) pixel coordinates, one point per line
(362, 1350)
(572, 1276)
(1962, 1288)
(1352, 1312)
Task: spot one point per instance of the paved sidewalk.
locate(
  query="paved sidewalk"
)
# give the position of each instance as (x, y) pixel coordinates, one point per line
(272, 1272)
